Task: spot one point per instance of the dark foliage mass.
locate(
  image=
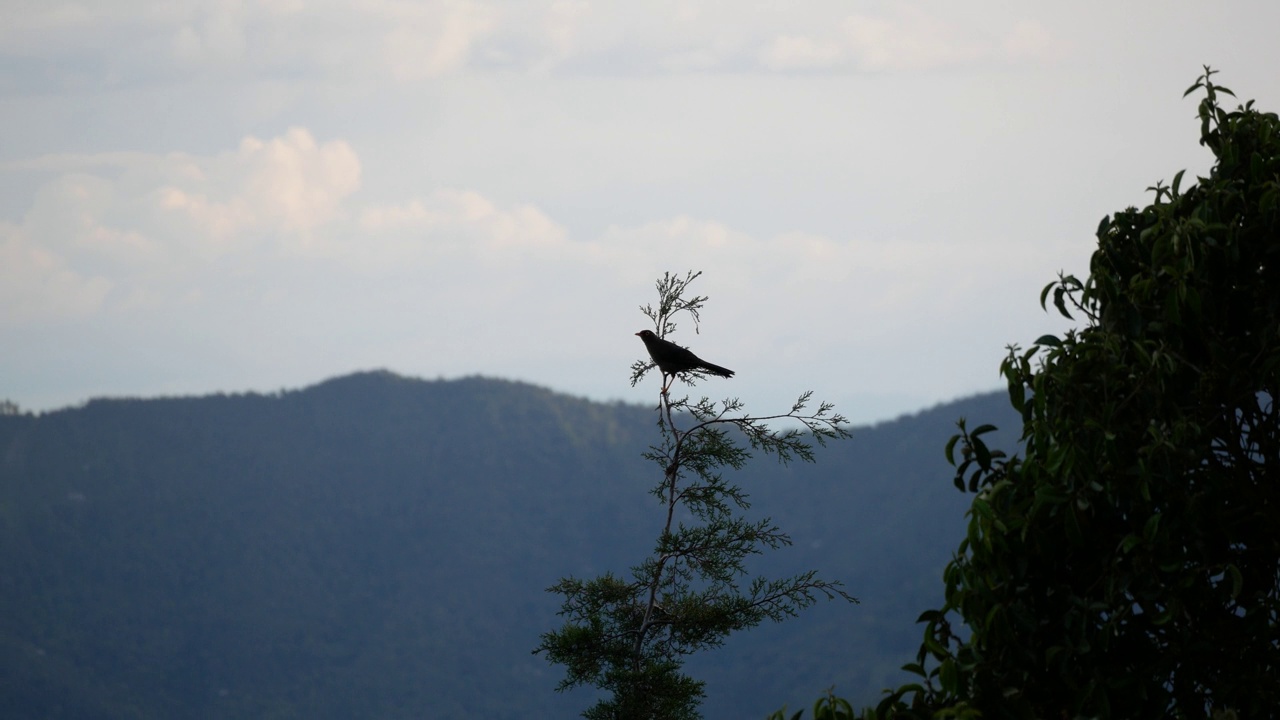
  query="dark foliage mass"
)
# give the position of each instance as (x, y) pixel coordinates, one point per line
(1127, 564)
(377, 546)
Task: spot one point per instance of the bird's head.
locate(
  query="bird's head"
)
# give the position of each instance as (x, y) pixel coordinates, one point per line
(646, 334)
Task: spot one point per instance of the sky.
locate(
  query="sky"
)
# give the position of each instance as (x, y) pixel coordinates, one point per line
(230, 196)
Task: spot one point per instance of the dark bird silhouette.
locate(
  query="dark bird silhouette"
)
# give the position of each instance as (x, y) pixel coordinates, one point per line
(671, 359)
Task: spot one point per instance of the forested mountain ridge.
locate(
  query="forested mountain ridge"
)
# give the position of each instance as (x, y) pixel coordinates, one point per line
(377, 546)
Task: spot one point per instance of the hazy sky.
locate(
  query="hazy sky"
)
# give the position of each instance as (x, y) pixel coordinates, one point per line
(229, 196)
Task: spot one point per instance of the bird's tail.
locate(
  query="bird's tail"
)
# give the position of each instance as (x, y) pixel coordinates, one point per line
(717, 370)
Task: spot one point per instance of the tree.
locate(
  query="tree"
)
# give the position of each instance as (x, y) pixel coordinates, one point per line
(629, 635)
(1128, 563)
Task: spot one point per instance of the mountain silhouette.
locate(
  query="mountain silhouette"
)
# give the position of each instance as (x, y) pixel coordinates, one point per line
(378, 546)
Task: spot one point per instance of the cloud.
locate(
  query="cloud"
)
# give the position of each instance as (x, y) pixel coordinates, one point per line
(266, 264)
(430, 39)
(905, 38)
(881, 279)
(38, 285)
(80, 226)
(290, 185)
(1031, 39)
(403, 41)
(797, 52)
(562, 25)
(118, 229)
(909, 38)
(216, 34)
(458, 225)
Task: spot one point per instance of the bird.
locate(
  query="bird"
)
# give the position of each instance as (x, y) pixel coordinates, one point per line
(671, 358)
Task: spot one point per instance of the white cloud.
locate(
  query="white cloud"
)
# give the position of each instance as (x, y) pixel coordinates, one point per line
(37, 285)
(85, 219)
(797, 52)
(288, 186)
(272, 251)
(409, 41)
(122, 229)
(216, 34)
(294, 181)
(429, 39)
(125, 231)
(1031, 39)
(150, 228)
(457, 225)
(563, 21)
(909, 38)
(880, 280)
(906, 37)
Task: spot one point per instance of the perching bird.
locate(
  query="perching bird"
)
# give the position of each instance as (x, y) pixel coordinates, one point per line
(671, 358)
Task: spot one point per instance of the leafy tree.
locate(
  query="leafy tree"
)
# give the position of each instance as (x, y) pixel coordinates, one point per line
(1128, 564)
(629, 635)
(826, 708)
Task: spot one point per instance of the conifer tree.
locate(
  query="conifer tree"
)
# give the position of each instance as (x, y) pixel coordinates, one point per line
(629, 634)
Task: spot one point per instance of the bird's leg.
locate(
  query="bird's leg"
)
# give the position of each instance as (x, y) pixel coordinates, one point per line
(666, 383)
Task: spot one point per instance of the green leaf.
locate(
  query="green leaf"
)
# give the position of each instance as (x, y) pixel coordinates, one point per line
(1017, 394)
(1049, 495)
(914, 669)
(1237, 580)
(950, 451)
(1151, 528)
(982, 430)
(1059, 302)
(947, 676)
(1048, 341)
(1073, 525)
(980, 452)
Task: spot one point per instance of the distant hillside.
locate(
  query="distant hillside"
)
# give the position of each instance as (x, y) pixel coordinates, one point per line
(378, 546)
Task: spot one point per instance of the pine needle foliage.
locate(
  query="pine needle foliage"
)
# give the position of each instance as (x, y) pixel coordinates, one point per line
(629, 635)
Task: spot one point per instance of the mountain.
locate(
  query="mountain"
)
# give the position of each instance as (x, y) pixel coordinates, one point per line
(378, 546)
